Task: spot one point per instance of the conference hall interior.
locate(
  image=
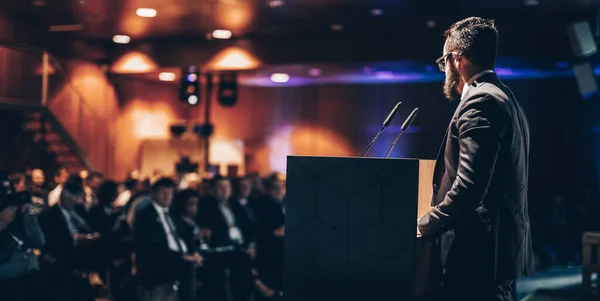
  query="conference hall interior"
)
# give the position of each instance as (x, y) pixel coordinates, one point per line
(248, 120)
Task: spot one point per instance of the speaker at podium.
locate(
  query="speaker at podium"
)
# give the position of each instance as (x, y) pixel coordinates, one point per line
(351, 229)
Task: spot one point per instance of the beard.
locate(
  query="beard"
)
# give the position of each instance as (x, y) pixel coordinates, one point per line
(451, 83)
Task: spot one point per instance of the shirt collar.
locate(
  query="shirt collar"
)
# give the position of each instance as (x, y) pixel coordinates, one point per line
(160, 209)
(473, 79)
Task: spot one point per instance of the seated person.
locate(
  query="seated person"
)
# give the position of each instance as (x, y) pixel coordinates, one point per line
(20, 277)
(69, 250)
(270, 234)
(116, 242)
(163, 260)
(229, 226)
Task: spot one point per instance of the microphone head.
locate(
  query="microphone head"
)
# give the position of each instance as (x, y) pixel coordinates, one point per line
(392, 114)
(409, 120)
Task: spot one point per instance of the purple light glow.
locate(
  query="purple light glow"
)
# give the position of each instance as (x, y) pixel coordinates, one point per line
(384, 74)
(504, 71)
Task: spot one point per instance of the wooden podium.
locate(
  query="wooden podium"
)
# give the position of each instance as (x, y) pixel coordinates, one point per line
(351, 229)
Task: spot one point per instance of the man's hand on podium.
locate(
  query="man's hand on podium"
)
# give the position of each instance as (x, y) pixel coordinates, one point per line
(419, 233)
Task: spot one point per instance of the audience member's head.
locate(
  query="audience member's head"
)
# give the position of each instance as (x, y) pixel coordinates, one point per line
(144, 185)
(131, 184)
(107, 193)
(163, 191)
(94, 179)
(222, 188)
(72, 192)
(61, 176)
(186, 203)
(17, 182)
(245, 187)
(275, 186)
(37, 177)
(257, 183)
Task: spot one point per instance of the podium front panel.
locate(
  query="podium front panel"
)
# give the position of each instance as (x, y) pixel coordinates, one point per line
(350, 229)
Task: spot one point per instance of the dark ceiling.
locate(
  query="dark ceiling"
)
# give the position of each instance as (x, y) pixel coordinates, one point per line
(291, 31)
(104, 18)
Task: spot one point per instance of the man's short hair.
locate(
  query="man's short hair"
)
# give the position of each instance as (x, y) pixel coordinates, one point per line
(59, 171)
(213, 182)
(476, 38)
(163, 182)
(269, 182)
(74, 185)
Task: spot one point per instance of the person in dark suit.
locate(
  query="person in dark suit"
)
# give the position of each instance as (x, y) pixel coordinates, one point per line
(162, 257)
(229, 226)
(115, 245)
(481, 175)
(20, 277)
(69, 244)
(270, 234)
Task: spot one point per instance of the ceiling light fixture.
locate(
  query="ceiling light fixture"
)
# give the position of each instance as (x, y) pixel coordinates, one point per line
(221, 34)
(167, 76)
(531, 2)
(280, 78)
(121, 39)
(146, 12)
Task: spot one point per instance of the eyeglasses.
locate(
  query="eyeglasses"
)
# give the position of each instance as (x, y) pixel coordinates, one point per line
(441, 62)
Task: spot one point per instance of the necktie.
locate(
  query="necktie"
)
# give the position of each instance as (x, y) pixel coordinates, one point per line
(173, 231)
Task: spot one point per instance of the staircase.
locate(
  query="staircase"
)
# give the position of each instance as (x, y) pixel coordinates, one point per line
(33, 138)
(48, 131)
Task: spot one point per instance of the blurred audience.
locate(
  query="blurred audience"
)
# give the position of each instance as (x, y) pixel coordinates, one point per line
(20, 233)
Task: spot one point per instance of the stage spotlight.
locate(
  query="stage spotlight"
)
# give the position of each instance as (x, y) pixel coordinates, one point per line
(193, 100)
(228, 89)
(190, 87)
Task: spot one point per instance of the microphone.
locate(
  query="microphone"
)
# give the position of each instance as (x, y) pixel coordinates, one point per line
(387, 122)
(403, 129)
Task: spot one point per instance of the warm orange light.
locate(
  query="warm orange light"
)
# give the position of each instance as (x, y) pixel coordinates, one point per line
(225, 152)
(146, 12)
(167, 76)
(235, 17)
(134, 26)
(39, 69)
(305, 141)
(133, 62)
(150, 122)
(233, 58)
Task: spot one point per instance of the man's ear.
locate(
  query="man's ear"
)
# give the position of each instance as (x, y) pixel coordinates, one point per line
(457, 60)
